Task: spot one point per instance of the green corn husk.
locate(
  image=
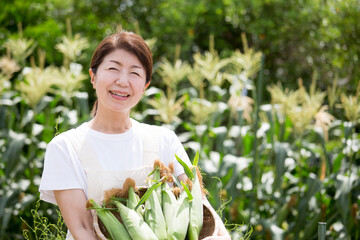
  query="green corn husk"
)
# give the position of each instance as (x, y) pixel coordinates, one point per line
(183, 214)
(133, 201)
(156, 177)
(116, 230)
(134, 224)
(176, 213)
(169, 205)
(196, 208)
(196, 205)
(154, 216)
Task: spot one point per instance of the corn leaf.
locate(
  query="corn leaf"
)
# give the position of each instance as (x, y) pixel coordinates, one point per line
(187, 170)
(147, 195)
(176, 180)
(186, 189)
(196, 159)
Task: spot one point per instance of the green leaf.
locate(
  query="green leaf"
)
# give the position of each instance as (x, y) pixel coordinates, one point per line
(176, 180)
(196, 159)
(187, 191)
(337, 162)
(147, 194)
(187, 170)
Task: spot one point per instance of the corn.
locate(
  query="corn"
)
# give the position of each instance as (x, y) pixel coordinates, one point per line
(133, 199)
(196, 208)
(156, 177)
(116, 230)
(176, 213)
(196, 205)
(154, 216)
(134, 224)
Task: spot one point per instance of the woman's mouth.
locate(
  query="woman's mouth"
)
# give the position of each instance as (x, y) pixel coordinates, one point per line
(120, 95)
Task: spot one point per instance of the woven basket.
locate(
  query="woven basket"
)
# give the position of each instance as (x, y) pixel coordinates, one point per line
(207, 229)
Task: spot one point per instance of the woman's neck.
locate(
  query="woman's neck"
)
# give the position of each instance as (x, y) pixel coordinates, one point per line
(111, 123)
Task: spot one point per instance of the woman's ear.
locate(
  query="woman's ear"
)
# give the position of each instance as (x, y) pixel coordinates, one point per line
(92, 77)
(146, 85)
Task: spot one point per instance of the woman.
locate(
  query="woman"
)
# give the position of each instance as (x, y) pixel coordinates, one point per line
(98, 155)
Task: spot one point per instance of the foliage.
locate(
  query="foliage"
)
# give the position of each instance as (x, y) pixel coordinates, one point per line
(42, 228)
(30, 107)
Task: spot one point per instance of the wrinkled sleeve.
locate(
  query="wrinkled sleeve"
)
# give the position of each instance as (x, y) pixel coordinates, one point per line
(174, 146)
(61, 169)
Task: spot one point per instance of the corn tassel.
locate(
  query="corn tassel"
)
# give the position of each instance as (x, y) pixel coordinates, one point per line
(134, 224)
(116, 230)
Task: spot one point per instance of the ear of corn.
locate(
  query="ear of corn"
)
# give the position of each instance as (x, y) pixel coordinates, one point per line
(176, 213)
(116, 230)
(133, 200)
(183, 214)
(196, 209)
(154, 216)
(156, 177)
(169, 209)
(196, 205)
(163, 212)
(134, 224)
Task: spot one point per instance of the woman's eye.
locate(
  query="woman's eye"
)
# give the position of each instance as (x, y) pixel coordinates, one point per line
(137, 74)
(112, 68)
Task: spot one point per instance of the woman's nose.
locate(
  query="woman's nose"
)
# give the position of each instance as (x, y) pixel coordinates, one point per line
(122, 79)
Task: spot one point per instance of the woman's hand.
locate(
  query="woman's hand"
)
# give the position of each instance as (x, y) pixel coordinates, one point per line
(72, 204)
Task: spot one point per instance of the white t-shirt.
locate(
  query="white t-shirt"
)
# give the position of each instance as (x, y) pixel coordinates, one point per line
(63, 169)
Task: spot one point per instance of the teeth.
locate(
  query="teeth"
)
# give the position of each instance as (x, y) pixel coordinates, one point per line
(118, 94)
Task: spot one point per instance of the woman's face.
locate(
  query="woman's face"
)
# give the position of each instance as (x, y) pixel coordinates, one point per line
(119, 81)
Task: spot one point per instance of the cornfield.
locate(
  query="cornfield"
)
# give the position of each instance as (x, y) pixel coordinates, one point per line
(277, 167)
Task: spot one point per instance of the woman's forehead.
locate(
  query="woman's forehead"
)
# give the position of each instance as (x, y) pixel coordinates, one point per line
(122, 57)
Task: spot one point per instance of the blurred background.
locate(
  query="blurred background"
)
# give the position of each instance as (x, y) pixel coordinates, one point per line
(266, 90)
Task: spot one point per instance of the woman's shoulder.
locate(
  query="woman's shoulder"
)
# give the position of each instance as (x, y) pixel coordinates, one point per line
(155, 129)
(63, 137)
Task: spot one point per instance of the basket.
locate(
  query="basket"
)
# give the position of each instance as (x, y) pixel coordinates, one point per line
(207, 229)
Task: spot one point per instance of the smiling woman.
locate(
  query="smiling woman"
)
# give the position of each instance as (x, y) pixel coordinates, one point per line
(83, 163)
(120, 81)
(128, 44)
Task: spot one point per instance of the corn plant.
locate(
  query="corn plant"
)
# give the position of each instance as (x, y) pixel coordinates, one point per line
(279, 163)
(285, 164)
(32, 111)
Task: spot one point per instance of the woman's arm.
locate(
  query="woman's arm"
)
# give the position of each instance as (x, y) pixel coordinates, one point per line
(220, 232)
(72, 204)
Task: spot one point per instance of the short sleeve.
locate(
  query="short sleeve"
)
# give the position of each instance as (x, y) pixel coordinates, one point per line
(62, 169)
(169, 146)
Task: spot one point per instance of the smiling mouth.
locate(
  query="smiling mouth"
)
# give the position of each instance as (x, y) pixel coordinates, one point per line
(119, 94)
